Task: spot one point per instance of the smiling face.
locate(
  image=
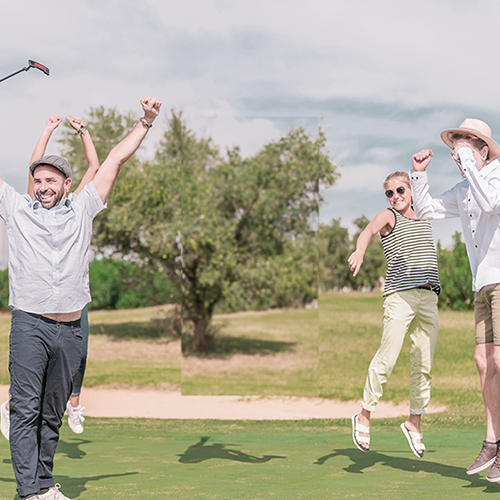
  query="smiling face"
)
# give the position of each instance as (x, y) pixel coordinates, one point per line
(50, 185)
(401, 194)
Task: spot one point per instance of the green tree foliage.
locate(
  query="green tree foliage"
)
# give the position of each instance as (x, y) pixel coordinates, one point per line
(117, 284)
(335, 246)
(4, 289)
(374, 264)
(107, 127)
(455, 276)
(223, 229)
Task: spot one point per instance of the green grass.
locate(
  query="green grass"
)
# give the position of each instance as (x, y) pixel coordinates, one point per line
(4, 349)
(269, 353)
(172, 459)
(122, 333)
(350, 332)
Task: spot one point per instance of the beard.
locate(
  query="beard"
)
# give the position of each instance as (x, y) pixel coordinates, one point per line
(58, 196)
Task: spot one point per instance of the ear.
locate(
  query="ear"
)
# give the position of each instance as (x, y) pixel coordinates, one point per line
(67, 184)
(484, 152)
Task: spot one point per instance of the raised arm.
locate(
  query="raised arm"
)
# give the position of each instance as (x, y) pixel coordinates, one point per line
(426, 207)
(384, 221)
(51, 124)
(107, 174)
(90, 152)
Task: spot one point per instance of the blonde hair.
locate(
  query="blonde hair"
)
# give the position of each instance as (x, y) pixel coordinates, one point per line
(401, 175)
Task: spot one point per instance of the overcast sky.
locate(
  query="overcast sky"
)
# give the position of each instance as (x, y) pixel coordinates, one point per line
(385, 77)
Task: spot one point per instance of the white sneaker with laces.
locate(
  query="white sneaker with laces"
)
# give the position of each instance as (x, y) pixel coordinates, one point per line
(53, 494)
(5, 420)
(75, 417)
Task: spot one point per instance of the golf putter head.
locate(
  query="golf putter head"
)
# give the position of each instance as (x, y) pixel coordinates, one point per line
(37, 65)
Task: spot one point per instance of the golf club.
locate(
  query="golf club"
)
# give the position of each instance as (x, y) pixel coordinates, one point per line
(31, 64)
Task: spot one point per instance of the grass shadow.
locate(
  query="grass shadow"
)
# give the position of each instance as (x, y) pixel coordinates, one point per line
(126, 331)
(200, 452)
(362, 461)
(222, 346)
(73, 486)
(72, 449)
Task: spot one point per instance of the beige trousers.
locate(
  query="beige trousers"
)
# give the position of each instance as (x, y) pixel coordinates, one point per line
(414, 312)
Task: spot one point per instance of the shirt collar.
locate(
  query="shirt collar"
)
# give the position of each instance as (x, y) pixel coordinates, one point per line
(64, 203)
(490, 167)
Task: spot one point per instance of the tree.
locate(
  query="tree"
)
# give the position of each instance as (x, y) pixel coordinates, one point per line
(374, 264)
(214, 223)
(455, 276)
(335, 247)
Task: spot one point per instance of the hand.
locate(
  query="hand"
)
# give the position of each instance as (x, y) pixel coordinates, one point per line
(76, 122)
(421, 160)
(355, 261)
(53, 122)
(462, 143)
(151, 107)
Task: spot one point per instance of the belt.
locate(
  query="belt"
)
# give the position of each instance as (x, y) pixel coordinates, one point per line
(76, 323)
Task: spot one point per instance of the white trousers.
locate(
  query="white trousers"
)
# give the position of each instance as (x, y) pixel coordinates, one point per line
(414, 312)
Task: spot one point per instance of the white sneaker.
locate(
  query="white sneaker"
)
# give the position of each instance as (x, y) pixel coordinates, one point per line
(75, 418)
(53, 494)
(5, 420)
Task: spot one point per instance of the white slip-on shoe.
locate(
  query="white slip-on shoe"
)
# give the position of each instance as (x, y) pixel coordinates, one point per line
(75, 417)
(5, 420)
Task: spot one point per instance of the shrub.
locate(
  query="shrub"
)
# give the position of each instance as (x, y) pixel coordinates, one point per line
(455, 276)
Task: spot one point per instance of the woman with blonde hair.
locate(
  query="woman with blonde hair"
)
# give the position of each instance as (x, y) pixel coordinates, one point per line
(410, 306)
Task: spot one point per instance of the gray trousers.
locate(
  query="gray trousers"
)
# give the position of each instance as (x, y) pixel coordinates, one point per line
(43, 361)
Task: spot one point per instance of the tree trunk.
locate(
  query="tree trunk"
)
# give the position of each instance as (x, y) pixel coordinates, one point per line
(200, 339)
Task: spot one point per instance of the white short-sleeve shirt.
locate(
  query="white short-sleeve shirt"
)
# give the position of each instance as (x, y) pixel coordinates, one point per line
(49, 250)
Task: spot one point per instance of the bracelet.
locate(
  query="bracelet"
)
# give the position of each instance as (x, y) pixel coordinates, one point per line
(81, 130)
(145, 123)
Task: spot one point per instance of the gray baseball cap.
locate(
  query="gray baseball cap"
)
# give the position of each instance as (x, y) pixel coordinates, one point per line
(54, 161)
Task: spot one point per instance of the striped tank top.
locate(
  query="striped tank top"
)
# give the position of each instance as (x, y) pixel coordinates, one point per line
(411, 255)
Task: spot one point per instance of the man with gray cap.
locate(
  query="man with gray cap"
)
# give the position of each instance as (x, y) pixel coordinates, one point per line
(49, 247)
(476, 200)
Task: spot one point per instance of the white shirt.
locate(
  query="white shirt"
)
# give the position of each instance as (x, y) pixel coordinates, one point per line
(476, 200)
(49, 250)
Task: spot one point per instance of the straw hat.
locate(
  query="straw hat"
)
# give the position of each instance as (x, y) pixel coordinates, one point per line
(477, 128)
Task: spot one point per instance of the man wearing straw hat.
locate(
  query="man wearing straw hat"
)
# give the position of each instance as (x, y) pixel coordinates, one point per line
(476, 200)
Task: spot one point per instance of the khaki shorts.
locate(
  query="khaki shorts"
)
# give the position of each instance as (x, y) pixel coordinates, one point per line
(487, 314)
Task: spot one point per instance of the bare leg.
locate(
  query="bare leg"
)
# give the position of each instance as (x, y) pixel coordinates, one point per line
(413, 425)
(487, 358)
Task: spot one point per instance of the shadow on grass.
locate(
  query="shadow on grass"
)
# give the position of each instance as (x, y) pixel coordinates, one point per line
(225, 345)
(125, 331)
(73, 486)
(200, 452)
(72, 448)
(362, 461)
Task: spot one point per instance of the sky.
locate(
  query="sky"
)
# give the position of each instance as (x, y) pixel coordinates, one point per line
(383, 79)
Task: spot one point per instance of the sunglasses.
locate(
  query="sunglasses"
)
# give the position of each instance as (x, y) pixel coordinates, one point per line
(390, 193)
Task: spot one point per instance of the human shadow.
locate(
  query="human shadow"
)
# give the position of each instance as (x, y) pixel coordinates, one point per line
(73, 486)
(72, 448)
(200, 452)
(362, 461)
